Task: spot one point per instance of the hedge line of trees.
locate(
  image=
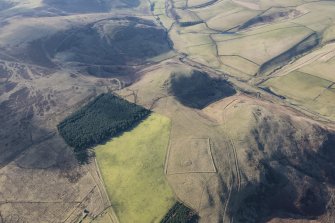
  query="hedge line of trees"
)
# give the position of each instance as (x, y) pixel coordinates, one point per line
(179, 213)
(103, 118)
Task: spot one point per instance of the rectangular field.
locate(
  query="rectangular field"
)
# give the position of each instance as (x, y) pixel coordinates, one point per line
(312, 92)
(298, 86)
(132, 167)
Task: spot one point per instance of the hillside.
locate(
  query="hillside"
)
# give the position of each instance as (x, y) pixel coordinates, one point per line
(240, 92)
(253, 158)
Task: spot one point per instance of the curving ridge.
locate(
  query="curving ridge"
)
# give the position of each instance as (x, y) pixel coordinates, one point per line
(309, 43)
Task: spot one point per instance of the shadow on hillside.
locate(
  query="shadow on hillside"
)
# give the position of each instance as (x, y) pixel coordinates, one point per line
(198, 89)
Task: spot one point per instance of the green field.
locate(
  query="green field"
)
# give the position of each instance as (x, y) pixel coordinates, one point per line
(132, 167)
(299, 86)
(310, 91)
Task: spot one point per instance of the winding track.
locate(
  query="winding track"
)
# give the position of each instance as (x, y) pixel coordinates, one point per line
(236, 162)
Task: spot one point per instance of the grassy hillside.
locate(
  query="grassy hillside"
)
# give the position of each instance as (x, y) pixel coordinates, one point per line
(132, 168)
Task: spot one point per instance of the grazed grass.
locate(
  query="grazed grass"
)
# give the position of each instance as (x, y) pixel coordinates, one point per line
(307, 90)
(132, 168)
(298, 86)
